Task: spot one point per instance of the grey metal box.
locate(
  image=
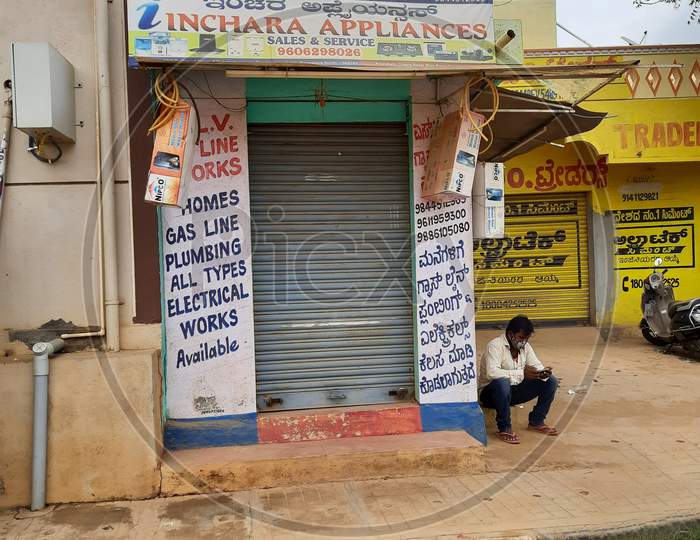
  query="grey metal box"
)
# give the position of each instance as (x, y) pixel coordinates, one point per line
(43, 93)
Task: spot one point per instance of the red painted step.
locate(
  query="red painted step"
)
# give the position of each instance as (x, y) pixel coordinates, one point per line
(338, 423)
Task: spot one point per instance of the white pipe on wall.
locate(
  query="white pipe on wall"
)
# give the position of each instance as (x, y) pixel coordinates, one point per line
(41, 351)
(106, 176)
(5, 131)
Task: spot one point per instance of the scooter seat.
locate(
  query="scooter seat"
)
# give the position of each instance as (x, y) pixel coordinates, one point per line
(675, 307)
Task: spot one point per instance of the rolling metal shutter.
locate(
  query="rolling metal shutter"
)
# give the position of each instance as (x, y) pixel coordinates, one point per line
(331, 264)
(540, 268)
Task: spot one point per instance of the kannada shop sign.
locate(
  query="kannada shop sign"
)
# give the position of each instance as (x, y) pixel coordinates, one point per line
(552, 175)
(643, 235)
(388, 33)
(206, 269)
(539, 267)
(535, 254)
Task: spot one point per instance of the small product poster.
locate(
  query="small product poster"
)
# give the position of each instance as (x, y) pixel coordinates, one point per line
(206, 272)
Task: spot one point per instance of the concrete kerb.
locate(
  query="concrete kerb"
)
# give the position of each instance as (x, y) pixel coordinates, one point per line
(664, 526)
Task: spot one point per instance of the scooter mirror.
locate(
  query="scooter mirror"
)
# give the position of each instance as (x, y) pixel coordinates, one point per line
(658, 262)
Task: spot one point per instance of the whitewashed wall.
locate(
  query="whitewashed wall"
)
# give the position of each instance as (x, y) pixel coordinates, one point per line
(49, 265)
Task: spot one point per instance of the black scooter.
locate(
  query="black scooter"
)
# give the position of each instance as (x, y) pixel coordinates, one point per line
(666, 321)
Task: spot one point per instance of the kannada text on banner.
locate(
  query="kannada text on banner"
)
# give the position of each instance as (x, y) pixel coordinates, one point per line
(386, 33)
(444, 284)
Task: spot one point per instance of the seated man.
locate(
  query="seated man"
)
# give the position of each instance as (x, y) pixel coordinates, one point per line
(511, 374)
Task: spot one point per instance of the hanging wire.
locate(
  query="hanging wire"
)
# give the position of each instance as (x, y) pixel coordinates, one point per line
(167, 94)
(36, 149)
(465, 109)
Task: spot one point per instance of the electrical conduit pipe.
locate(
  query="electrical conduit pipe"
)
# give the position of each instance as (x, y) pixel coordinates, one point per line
(109, 218)
(5, 131)
(41, 351)
(109, 277)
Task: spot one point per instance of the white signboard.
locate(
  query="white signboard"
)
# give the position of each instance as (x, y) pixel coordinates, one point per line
(444, 284)
(388, 33)
(207, 275)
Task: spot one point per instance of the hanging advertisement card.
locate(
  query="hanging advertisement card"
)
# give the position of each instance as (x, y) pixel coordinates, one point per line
(172, 153)
(454, 147)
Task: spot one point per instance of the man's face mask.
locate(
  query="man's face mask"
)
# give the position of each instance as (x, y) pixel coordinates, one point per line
(517, 343)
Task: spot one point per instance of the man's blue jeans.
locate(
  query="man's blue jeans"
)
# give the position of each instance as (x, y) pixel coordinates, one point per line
(500, 395)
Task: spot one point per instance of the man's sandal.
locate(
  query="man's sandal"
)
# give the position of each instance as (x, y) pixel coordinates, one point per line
(510, 438)
(544, 429)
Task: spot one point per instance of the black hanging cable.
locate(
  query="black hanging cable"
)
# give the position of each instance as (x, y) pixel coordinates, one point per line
(35, 150)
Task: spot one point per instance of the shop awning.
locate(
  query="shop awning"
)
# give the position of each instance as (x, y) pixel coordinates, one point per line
(523, 123)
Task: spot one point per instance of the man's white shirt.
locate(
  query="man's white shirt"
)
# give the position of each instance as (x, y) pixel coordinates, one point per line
(498, 363)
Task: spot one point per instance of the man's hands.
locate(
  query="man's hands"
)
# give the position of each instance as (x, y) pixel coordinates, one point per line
(531, 373)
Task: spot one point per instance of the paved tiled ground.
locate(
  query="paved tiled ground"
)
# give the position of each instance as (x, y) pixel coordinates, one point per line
(629, 455)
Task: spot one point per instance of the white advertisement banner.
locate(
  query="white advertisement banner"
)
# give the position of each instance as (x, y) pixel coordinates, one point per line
(207, 275)
(444, 284)
(385, 33)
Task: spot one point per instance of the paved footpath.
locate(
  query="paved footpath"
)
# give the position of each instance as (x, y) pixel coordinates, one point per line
(629, 455)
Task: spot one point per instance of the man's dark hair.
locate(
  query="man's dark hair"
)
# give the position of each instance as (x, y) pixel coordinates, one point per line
(520, 322)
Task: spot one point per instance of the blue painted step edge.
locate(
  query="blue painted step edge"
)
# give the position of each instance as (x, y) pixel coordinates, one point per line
(454, 417)
(231, 430)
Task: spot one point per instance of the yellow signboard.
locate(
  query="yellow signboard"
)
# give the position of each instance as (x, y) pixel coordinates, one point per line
(339, 33)
(654, 207)
(639, 246)
(653, 108)
(663, 130)
(540, 267)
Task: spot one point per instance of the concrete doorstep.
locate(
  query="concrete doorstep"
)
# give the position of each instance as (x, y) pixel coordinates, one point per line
(236, 468)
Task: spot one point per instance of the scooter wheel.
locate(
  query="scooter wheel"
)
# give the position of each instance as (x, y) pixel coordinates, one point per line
(692, 348)
(650, 336)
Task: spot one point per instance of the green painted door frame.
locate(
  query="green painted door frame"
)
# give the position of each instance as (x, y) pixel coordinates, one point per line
(296, 101)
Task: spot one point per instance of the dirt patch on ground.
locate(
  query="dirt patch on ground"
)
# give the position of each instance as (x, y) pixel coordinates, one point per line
(215, 517)
(87, 517)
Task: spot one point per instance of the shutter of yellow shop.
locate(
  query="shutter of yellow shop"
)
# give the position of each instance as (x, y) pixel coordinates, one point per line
(540, 269)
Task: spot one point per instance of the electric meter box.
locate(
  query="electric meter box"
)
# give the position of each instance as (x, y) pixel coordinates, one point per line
(43, 92)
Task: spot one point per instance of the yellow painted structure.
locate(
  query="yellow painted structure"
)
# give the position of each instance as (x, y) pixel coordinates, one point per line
(640, 169)
(544, 257)
(538, 18)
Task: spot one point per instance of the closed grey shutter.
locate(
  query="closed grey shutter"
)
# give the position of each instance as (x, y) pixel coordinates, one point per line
(331, 264)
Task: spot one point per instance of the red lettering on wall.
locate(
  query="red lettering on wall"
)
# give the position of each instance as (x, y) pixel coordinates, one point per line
(551, 176)
(640, 135)
(622, 129)
(422, 131)
(659, 134)
(689, 134)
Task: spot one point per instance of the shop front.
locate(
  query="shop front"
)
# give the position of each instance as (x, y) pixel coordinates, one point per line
(309, 261)
(541, 267)
(633, 180)
(305, 271)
